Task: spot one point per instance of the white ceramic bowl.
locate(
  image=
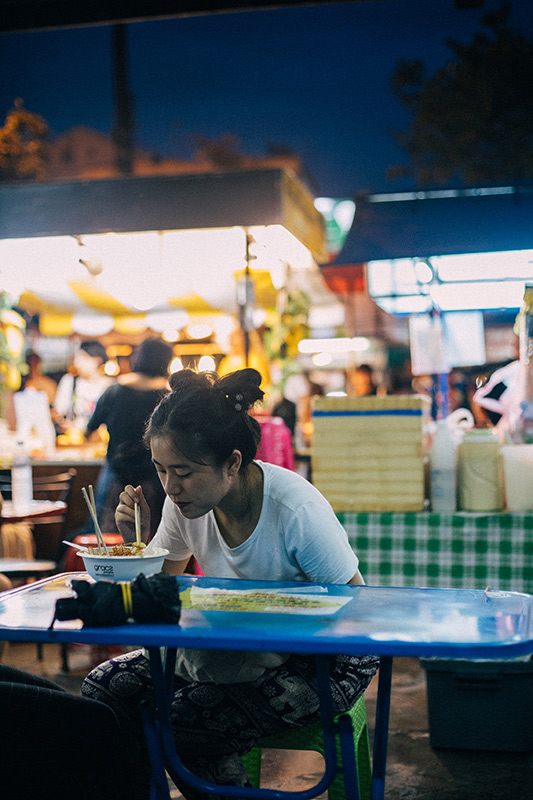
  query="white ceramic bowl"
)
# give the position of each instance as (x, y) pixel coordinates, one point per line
(123, 568)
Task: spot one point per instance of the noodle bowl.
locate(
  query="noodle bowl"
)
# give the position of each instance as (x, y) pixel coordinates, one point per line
(122, 563)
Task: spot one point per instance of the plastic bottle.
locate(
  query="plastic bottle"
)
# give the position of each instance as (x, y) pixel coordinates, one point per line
(480, 471)
(442, 470)
(21, 480)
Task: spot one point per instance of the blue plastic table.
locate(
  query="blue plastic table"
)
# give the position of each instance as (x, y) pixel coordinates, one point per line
(292, 617)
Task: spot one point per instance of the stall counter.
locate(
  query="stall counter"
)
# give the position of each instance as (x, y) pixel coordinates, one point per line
(459, 551)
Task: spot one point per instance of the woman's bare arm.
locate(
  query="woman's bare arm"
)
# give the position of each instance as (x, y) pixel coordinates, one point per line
(175, 567)
(357, 579)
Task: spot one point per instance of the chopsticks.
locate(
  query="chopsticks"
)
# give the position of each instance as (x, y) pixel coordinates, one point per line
(92, 510)
(138, 524)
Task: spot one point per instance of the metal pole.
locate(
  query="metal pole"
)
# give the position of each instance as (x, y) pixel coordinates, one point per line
(122, 133)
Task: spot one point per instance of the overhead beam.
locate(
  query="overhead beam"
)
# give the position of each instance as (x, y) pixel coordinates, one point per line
(28, 15)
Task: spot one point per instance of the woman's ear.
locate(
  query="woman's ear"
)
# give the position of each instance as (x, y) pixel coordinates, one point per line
(234, 463)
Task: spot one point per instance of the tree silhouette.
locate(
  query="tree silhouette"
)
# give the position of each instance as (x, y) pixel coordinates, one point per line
(472, 118)
(221, 153)
(23, 144)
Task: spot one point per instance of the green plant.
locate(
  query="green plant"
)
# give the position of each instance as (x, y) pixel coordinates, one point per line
(12, 364)
(288, 326)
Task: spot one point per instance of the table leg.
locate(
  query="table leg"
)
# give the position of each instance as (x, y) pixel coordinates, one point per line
(161, 747)
(349, 758)
(159, 783)
(151, 722)
(328, 730)
(381, 731)
(170, 668)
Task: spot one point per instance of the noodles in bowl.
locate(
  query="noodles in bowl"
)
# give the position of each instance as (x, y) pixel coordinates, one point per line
(124, 562)
(131, 549)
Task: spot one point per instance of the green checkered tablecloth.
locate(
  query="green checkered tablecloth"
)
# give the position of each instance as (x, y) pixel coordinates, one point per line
(461, 551)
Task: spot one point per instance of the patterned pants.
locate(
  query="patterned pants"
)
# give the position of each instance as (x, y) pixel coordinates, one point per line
(214, 724)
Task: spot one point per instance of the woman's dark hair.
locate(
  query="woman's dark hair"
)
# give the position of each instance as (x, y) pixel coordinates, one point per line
(95, 350)
(153, 358)
(206, 417)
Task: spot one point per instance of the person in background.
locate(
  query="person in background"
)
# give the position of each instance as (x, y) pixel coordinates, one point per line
(124, 409)
(239, 518)
(362, 381)
(36, 380)
(497, 403)
(305, 391)
(287, 411)
(78, 392)
(33, 414)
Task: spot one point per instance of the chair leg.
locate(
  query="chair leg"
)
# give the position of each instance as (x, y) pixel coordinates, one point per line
(64, 657)
(252, 764)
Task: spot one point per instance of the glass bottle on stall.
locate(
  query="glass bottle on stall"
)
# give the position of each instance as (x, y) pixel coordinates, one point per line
(442, 470)
(21, 480)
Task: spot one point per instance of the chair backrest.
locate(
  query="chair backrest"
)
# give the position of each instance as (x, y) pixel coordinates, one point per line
(45, 487)
(54, 487)
(49, 532)
(5, 484)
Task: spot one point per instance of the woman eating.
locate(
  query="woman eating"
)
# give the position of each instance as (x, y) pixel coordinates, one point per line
(239, 518)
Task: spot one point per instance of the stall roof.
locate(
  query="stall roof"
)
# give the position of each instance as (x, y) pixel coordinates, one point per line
(443, 222)
(23, 15)
(183, 239)
(176, 202)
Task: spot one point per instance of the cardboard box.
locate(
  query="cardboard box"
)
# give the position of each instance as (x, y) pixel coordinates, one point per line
(368, 452)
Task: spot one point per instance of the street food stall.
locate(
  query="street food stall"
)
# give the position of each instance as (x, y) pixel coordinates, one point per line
(436, 259)
(123, 258)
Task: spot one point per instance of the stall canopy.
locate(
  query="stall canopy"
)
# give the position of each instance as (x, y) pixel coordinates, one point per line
(447, 249)
(127, 247)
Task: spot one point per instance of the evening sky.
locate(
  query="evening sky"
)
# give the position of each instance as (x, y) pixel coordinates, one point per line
(315, 79)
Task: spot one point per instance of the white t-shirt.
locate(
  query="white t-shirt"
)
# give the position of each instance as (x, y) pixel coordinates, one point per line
(297, 538)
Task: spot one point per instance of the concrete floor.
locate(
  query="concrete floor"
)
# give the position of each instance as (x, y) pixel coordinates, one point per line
(415, 770)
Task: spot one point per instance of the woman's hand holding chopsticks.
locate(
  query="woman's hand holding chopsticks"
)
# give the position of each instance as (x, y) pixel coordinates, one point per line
(125, 515)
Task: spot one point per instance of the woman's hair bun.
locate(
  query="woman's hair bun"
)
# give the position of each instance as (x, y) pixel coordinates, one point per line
(187, 380)
(242, 388)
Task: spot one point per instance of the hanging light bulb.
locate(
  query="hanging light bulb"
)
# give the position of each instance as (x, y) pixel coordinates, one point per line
(111, 367)
(176, 365)
(206, 364)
